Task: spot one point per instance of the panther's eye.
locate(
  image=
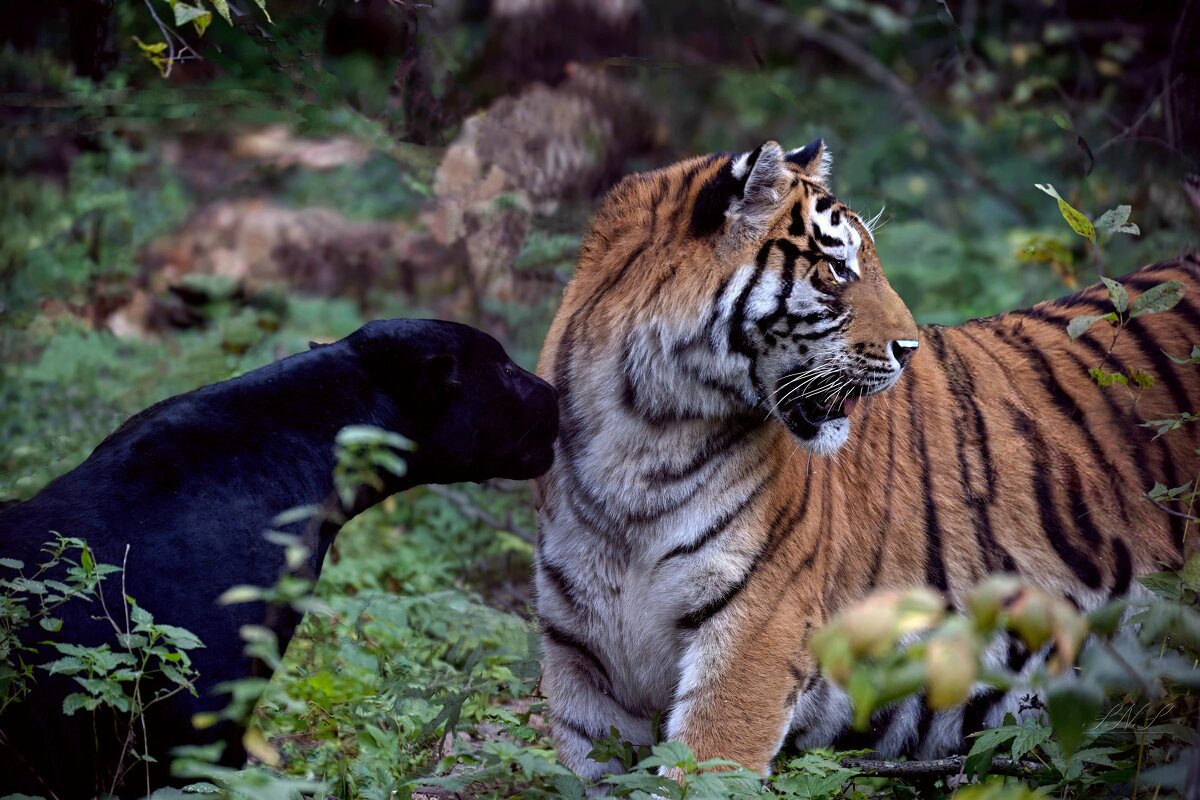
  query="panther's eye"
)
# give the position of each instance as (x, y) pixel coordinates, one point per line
(508, 370)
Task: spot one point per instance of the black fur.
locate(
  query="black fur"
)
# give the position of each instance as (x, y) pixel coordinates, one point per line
(191, 484)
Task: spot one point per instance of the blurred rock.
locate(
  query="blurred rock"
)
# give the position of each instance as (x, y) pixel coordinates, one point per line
(238, 250)
(523, 156)
(276, 145)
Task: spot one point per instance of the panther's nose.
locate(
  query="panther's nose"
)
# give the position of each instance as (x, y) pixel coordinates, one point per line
(903, 349)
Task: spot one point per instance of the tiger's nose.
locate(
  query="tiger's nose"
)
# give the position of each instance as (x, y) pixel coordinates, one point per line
(903, 349)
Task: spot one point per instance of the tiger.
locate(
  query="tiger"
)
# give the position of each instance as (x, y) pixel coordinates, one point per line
(755, 433)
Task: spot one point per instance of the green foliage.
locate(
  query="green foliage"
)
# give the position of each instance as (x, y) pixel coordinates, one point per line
(1106, 700)
(363, 452)
(144, 664)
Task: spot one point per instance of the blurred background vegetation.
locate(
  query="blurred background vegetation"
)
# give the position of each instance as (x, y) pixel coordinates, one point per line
(189, 190)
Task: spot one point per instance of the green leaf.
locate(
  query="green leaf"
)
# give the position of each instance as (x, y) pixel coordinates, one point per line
(74, 702)
(1078, 222)
(1162, 297)
(1141, 379)
(138, 614)
(52, 624)
(1117, 293)
(185, 13)
(390, 461)
(1080, 325)
(1167, 585)
(262, 6)
(1190, 574)
(222, 8)
(241, 594)
(1072, 705)
(670, 754)
(1116, 220)
(1030, 734)
(1193, 358)
(66, 666)
(569, 787)
(362, 435)
(991, 739)
(12, 563)
(181, 638)
(1104, 378)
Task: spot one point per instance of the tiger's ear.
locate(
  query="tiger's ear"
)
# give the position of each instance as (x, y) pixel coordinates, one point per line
(766, 183)
(814, 160)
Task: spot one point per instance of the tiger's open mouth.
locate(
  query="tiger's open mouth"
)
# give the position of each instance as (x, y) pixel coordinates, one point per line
(805, 417)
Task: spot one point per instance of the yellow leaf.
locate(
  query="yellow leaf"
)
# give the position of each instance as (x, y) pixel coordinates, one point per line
(157, 47)
(257, 745)
(222, 8)
(1078, 222)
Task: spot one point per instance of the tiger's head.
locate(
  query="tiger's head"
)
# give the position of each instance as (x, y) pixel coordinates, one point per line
(813, 313)
(738, 284)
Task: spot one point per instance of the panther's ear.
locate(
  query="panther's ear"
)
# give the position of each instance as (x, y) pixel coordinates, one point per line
(743, 195)
(814, 160)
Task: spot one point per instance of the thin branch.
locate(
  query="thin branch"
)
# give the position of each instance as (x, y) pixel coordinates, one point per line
(1132, 128)
(468, 509)
(777, 18)
(29, 767)
(170, 37)
(1175, 513)
(954, 765)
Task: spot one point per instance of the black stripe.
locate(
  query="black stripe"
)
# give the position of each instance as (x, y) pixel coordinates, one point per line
(1066, 405)
(714, 197)
(717, 446)
(889, 487)
(1130, 419)
(1018, 654)
(1043, 488)
(1122, 568)
(969, 420)
(719, 525)
(567, 640)
(935, 568)
(737, 336)
(1084, 522)
(694, 619)
(784, 524)
(823, 332)
(575, 728)
(977, 710)
(926, 720)
(826, 239)
(796, 228)
(561, 584)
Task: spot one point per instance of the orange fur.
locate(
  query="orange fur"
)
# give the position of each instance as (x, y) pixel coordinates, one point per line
(994, 451)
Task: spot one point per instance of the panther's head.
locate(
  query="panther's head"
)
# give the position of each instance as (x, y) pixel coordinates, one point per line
(806, 299)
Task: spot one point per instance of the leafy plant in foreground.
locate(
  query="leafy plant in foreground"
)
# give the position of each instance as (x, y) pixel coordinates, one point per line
(145, 664)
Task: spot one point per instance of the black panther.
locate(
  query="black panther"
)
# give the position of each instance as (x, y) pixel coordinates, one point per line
(191, 484)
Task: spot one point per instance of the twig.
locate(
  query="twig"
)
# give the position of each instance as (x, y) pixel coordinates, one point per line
(1175, 513)
(777, 18)
(468, 509)
(29, 767)
(170, 37)
(882, 768)
(1131, 129)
